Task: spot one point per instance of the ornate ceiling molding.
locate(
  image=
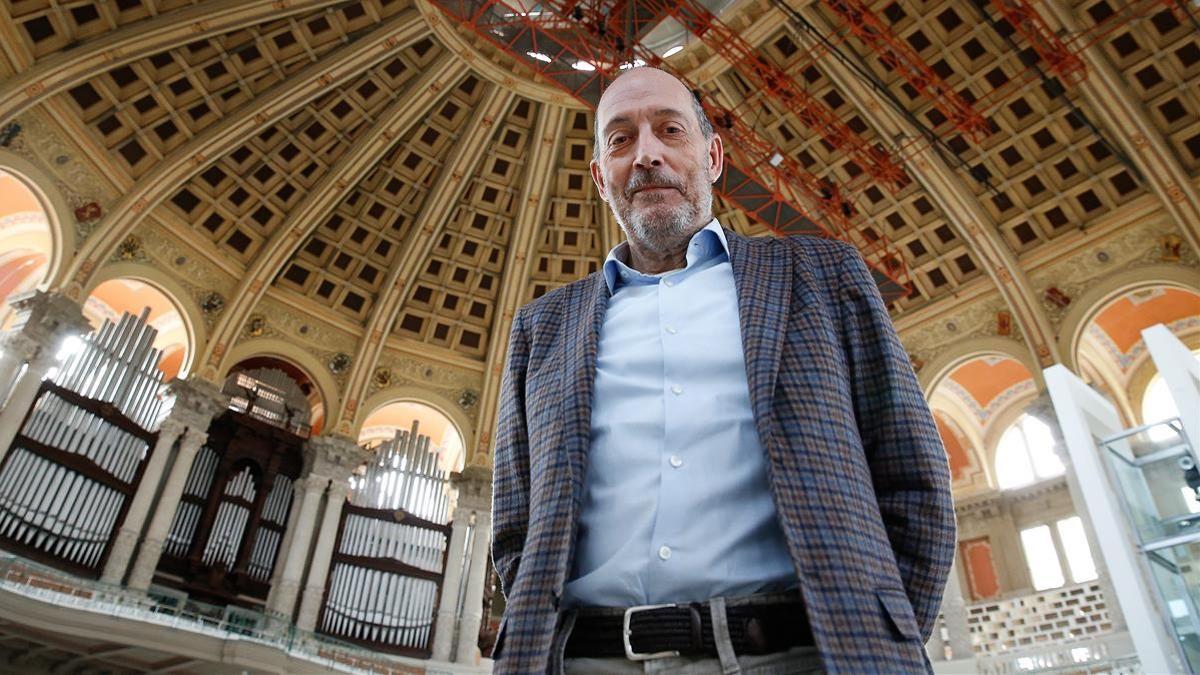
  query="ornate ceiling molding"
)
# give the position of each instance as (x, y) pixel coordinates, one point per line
(192, 157)
(409, 109)
(37, 82)
(968, 216)
(1127, 120)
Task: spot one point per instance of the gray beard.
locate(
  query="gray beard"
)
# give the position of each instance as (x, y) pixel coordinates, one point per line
(663, 234)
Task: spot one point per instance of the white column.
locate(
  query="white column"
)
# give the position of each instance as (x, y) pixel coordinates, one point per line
(139, 507)
(168, 503)
(447, 614)
(314, 590)
(954, 611)
(296, 555)
(16, 349)
(289, 532)
(468, 636)
(23, 394)
(43, 321)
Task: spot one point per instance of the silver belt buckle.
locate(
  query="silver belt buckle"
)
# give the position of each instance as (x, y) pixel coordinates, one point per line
(626, 632)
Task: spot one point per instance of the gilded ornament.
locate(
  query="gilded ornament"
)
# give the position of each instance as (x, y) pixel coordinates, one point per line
(212, 303)
(1170, 248)
(256, 326)
(382, 377)
(9, 133)
(129, 249)
(339, 363)
(468, 398)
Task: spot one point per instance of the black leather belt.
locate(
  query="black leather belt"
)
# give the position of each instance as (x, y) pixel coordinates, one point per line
(757, 625)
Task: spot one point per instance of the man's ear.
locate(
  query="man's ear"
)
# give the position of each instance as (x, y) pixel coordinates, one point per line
(598, 179)
(716, 157)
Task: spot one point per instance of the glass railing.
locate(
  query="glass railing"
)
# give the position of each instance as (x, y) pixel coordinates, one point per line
(173, 608)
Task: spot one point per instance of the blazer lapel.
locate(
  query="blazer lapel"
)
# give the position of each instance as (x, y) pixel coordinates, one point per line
(585, 315)
(762, 275)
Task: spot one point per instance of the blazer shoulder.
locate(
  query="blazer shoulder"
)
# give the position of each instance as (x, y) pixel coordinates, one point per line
(554, 302)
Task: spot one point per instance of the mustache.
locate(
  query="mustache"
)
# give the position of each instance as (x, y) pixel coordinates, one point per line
(651, 178)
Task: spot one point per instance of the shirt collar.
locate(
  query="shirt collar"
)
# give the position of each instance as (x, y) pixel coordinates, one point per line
(706, 243)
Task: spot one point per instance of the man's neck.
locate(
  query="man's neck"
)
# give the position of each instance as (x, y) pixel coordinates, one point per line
(650, 262)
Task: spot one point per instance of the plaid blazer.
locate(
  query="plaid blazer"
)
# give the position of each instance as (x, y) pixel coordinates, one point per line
(856, 465)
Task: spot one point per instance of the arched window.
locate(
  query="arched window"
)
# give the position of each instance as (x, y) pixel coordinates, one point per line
(114, 297)
(26, 241)
(1026, 454)
(446, 441)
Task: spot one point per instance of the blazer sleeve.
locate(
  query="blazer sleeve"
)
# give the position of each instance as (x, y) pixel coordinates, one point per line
(510, 474)
(902, 445)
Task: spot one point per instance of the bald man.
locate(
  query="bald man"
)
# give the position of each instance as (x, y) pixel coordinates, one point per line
(712, 455)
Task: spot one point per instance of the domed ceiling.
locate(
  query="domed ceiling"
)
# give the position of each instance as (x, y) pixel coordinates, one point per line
(388, 179)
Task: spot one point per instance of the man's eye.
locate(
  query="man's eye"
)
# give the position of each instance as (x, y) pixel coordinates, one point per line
(617, 140)
(674, 129)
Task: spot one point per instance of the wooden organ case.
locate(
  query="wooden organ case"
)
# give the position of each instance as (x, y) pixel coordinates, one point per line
(77, 460)
(390, 557)
(225, 538)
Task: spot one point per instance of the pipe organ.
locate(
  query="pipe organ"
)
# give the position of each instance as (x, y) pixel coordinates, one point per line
(73, 467)
(390, 553)
(225, 536)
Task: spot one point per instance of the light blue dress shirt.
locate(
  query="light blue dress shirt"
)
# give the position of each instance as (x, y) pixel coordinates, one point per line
(677, 506)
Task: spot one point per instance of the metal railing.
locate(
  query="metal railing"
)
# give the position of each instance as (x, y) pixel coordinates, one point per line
(172, 609)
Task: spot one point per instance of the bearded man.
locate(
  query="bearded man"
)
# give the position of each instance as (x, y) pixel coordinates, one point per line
(712, 455)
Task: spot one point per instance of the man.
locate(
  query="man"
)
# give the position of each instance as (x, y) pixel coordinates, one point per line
(725, 425)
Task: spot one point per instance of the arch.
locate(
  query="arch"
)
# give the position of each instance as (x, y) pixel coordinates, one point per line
(59, 215)
(940, 367)
(1097, 298)
(189, 311)
(327, 387)
(417, 394)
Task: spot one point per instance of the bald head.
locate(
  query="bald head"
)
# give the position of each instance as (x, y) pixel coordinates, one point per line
(649, 80)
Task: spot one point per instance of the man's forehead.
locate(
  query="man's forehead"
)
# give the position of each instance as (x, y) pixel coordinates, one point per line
(643, 87)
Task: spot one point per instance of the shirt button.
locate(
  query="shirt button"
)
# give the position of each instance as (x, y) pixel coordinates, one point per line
(664, 552)
(676, 461)
(671, 330)
(676, 389)
(668, 282)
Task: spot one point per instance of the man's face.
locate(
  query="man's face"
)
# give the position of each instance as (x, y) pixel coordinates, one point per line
(654, 166)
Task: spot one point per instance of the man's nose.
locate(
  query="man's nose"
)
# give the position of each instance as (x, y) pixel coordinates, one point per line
(649, 151)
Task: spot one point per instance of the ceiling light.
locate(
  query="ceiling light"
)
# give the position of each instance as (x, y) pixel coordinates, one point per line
(673, 51)
(776, 159)
(539, 56)
(637, 63)
(583, 65)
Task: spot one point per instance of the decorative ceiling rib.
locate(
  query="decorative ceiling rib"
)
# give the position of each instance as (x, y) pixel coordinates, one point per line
(542, 146)
(460, 135)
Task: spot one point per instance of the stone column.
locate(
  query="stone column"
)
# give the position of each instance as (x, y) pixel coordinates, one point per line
(447, 614)
(314, 590)
(475, 494)
(135, 518)
(168, 503)
(337, 457)
(44, 320)
(1043, 409)
(283, 598)
(954, 611)
(289, 532)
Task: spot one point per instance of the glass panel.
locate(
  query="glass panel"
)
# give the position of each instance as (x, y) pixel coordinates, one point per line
(1153, 477)
(1176, 572)
(1075, 546)
(1041, 557)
